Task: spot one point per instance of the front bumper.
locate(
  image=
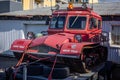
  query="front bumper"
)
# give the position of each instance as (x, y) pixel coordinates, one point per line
(52, 55)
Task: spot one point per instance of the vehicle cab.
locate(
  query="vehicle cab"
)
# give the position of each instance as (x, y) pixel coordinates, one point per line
(76, 20)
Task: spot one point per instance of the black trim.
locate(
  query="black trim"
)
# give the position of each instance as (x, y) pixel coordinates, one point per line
(111, 18)
(35, 18)
(40, 17)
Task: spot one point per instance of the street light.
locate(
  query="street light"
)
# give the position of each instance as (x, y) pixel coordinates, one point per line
(84, 2)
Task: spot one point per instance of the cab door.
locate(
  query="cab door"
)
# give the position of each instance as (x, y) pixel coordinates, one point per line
(94, 29)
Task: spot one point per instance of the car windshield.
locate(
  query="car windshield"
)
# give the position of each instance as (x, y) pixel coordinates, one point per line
(76, 22)
(57, 22)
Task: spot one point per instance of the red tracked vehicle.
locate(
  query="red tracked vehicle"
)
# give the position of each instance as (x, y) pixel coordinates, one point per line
(74, 36)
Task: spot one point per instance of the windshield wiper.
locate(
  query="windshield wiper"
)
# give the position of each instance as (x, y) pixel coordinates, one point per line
(74, 21)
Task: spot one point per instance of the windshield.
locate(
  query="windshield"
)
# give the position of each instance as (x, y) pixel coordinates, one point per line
(76, 22)
(57, 22)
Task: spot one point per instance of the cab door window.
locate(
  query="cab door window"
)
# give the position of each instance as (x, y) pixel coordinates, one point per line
(99, 24)
(57, 22)
(93, 23)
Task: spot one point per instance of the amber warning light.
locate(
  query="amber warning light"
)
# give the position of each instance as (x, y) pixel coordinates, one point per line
(70, 6)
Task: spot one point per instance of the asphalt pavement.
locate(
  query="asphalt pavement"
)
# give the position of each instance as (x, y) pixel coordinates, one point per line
(6, 62)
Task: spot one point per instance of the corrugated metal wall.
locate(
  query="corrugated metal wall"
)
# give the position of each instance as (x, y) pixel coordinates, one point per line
(11, 30)
(114, 52)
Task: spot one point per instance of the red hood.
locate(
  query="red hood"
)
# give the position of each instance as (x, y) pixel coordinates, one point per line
(38, 41)
(53, 40)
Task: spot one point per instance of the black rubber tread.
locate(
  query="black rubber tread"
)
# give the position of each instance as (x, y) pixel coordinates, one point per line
(17, 55)
(78, 67)
(58, 72)
(33, 70)
(9, 74)
(116, 72)
(101, 50)
(20, 77)
(105, 54)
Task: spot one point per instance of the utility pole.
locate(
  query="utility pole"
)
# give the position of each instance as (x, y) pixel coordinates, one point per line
(51, 6)
(92, 4)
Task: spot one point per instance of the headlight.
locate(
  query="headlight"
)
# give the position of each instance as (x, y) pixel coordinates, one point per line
(105, 34)
(78, 38)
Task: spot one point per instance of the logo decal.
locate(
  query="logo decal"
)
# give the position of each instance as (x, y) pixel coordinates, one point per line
(73, 46)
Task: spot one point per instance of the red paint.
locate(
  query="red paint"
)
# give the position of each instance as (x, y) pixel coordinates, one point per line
(64, 38)
(38, 41)
(73, 48)
(58, 39)
(20, 45)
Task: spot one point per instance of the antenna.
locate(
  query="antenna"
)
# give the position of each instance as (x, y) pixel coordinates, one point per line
(51, 5)
(57, 7)
(84, 5)
(92, 5)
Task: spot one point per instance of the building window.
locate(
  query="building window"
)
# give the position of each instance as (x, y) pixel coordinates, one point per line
(69, 0)
(37, 2)
(85, 1)
(17, 0)
(75, 1)
(115, 35)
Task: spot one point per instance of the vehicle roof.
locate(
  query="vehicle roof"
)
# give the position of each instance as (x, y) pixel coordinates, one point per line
(75, 11)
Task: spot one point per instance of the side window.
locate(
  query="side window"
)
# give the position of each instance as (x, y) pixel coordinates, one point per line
(57, 22)
(99, 24)
(93, 23)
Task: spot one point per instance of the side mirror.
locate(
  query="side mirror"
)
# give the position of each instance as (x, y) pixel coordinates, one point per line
(104, 36)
